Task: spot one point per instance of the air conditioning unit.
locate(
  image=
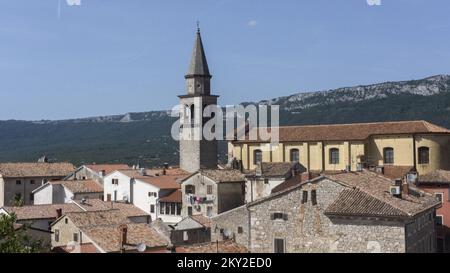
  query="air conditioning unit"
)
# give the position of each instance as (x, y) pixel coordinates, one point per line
(395, 190)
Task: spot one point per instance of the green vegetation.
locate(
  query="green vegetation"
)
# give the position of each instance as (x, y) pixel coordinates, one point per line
(14, 239)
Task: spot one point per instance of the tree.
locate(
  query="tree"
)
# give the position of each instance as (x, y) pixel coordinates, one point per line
(17, 201)
(14, 239)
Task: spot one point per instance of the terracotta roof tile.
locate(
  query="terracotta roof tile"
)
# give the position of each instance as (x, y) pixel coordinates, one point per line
(173, 197)
(435, 177)
(41, 211)
(160, 181)
(224, 175)
(373, 186)
(108, 168)
(80, 186)
(355, 131)
(108, 236)
(202, 220)
(221, 247)
(36, 169)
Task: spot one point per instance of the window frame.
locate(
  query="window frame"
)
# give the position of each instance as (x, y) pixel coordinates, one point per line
(388, 159)
(420, 159)
(276, 246)
(255, 157)
(294, 153)
(436, 194)
(334, 154)
(439, 216)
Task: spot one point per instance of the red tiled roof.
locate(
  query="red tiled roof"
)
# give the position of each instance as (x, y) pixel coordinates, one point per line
(160, 181)
(354, 131)
(220, 247)
(80, 186)
(173, 197)
(108, 168)
(36, 169)
(41, 211)
(202, 220)
(435, 177)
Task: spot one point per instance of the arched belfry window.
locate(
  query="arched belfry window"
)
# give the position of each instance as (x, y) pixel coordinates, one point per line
(388, 155)
(424, 155)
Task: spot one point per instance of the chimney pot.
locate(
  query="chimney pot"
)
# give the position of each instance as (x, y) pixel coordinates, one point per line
(58, 213)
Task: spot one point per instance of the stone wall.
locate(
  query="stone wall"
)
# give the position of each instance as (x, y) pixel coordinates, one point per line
(421, 234)
(235, 221)
(306, 229)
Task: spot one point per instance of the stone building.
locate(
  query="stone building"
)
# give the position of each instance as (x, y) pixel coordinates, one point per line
(19, 180)
(345, 212)
(104, 232)
(195, 229)
(211, 192)
(404, 145)
(196, 152)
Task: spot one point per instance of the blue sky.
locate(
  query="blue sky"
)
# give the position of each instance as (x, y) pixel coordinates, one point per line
(110, 57)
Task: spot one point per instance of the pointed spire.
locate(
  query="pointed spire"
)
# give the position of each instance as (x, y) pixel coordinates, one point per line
(198, 65)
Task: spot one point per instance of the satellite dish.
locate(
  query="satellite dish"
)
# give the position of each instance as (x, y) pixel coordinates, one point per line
(141, 247)
(226, 233)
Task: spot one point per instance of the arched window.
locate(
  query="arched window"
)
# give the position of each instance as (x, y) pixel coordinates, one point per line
(257, 156)
(334, 156)
(190, 189)
(388, 155)
(424, 155)
(295, 155)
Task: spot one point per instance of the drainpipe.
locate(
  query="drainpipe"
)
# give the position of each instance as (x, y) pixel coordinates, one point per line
(249, 230)
(323, 156)
(414, 153)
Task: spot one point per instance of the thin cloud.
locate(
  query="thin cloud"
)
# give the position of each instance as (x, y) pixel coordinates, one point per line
(374, 2)
(252, 23)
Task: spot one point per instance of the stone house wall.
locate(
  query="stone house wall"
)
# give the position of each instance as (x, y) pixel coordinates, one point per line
(235, 221)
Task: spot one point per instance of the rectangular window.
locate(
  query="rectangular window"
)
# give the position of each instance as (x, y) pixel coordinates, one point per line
(439, 220)
(173, 209)
(66, 221)
(190, 211)
(314, 197)
(334, 156)
(279, 216)
(115, 181)
(185, 236)
(209, 189)
(304, 197)
(152, 208)
(32, 182)
(279, 246)
(162, 207)
(240, 230)
(75, 237)
(31, 197)
(179, 208)
(388, 155)
(56, 235)
(439, 196)
(18, 182)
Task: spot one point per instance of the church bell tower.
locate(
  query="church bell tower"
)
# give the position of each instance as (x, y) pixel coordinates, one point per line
(195, 152)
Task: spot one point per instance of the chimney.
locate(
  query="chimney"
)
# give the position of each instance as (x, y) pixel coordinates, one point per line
(58, 213)
(123, 236)
(305, 176)
(166, 166)
(405, 188)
